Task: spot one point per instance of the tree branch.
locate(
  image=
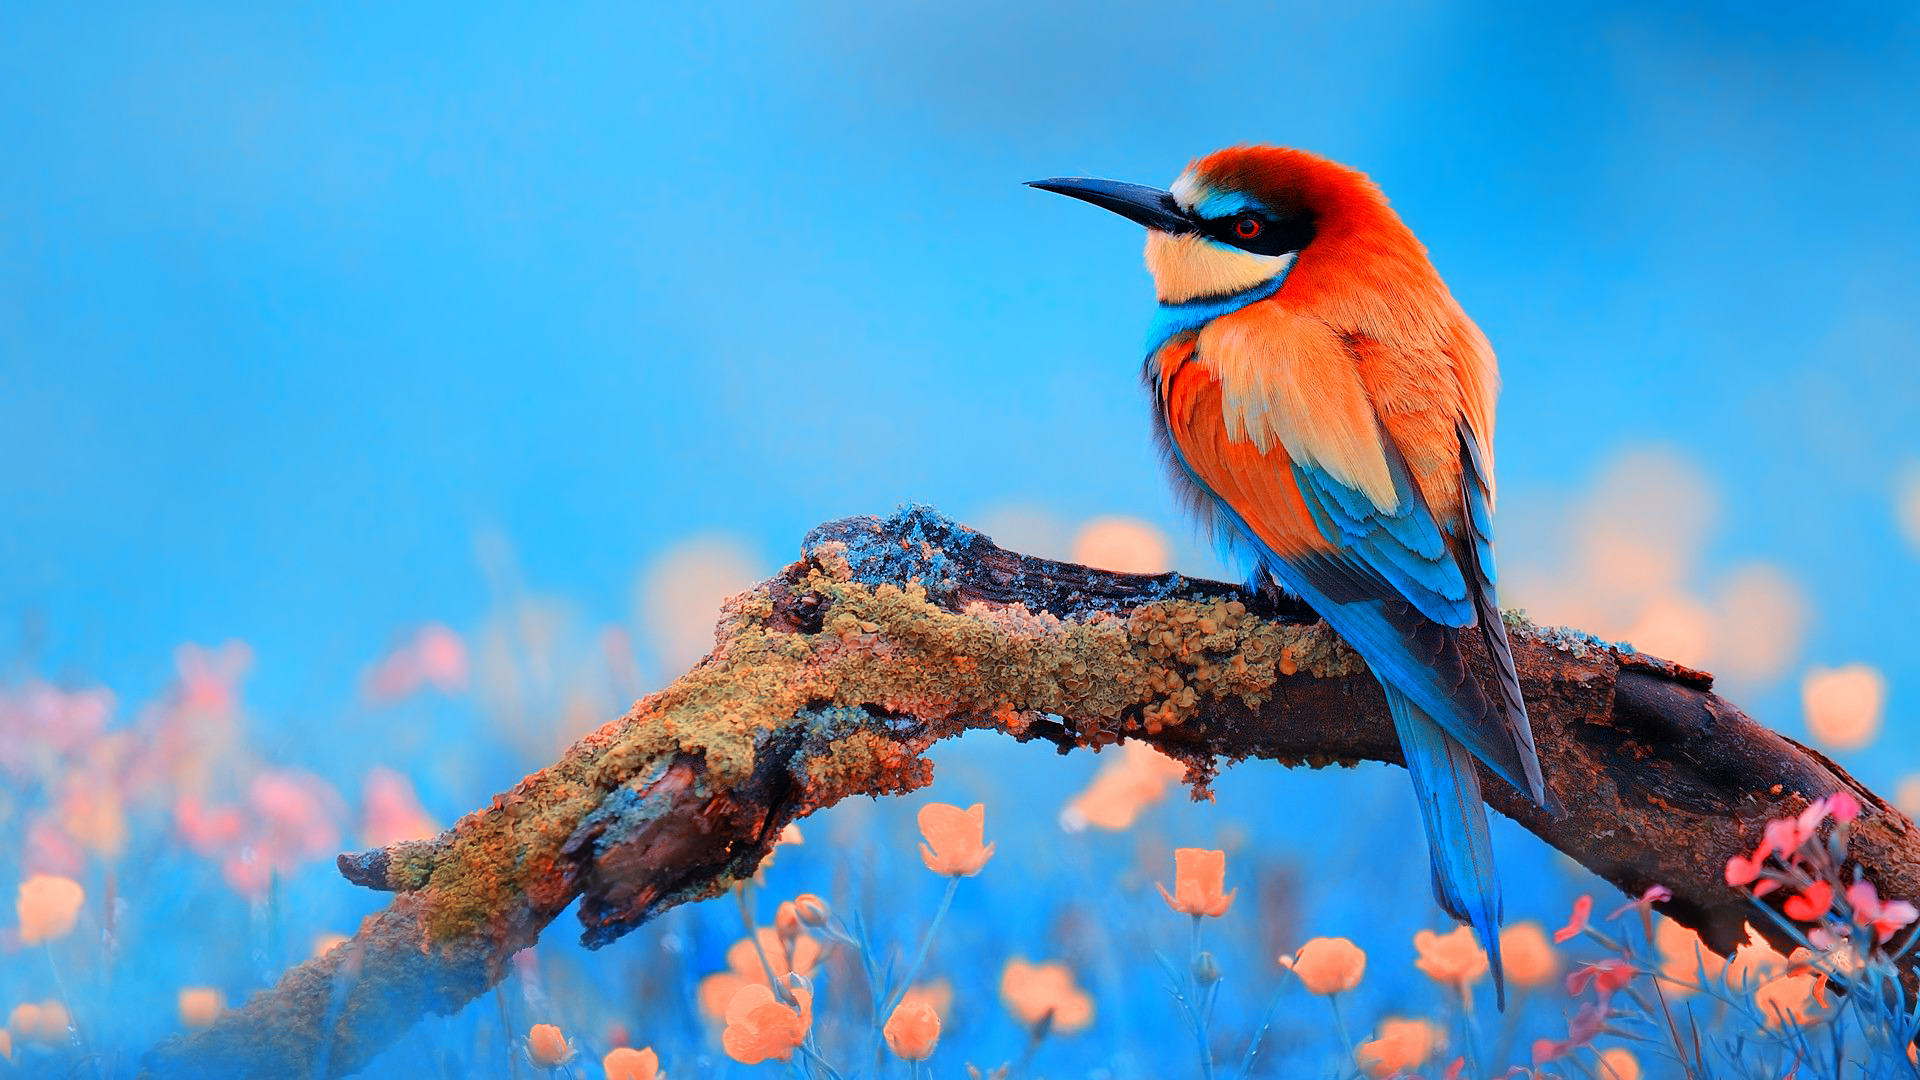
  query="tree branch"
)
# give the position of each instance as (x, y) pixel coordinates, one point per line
(836, 676)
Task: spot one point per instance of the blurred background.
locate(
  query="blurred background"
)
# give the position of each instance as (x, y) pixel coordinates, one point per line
(389, 395)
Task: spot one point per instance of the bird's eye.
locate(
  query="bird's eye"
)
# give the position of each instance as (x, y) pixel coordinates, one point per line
(1247, 228)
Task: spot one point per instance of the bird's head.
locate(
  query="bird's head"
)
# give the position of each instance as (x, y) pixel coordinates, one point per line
(1234, 220)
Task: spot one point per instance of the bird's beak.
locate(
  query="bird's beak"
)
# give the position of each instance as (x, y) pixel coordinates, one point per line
(1151, 207)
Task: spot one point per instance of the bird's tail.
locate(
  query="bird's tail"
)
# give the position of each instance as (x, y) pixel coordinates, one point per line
(1448, 787)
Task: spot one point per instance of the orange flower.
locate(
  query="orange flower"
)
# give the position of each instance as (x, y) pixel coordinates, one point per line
(626, 1063)
(1524, 952)
(744, 967)
(761, 1028)
(913, 1029)
(1198, 875)
(547, 1048)
(1450, 958)
(786, 921)
(1327, 965)
(812, 910)
(48, 905)
(1618, 1063)
(45, 1023)
(200, 1006)
(953, 839)
(1843, 704)
(1136, 779)
(1684, 959)
(1403, 1045)
(6, 1045)
(937, 994)
(1035, 992)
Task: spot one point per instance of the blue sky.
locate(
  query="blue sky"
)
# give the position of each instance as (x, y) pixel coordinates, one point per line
(297, 303)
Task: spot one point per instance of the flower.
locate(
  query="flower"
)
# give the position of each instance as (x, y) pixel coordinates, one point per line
(1450, 958)
(760, 1028)
(1813, 902)
(1618, 1063)
(913, 1029)
(1843, 704)
(1654, 894)
(392, 811)
(1402, 1045)
(1137, 778)
(1198, 875)
(938, 995)
(953, 839)
(6, 1045)
(1581, 1029)
(1327, 965)
(1753, 960)
(200, 1006)
(786, 921)
(48, 905)
(811, 910)
(1884, 919)
(547, 1048)
(1787, 998)
(1605, 977)
(1037, 993)
(45, 1023)
(1582, 908)
(1524, 952)
(1684, 959)
(1742, 869)
(626, 1063)
(797, 956)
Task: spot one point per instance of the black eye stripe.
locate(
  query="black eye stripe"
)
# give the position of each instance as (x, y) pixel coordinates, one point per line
(1276, 235)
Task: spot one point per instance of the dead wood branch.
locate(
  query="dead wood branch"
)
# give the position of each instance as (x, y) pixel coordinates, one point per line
(835, 677)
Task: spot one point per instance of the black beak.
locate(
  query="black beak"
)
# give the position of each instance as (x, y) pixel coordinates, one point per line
(1136, 202)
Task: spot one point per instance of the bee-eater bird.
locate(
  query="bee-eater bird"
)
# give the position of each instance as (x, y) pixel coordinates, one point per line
(1327, 407)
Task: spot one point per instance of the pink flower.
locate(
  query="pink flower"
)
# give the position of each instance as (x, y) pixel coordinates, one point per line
(1582, 908)
(1883, 918)
(1742, 870)
(1843, 806)
(1581, 1030)
(1812, 903)
(1655, 894)
(1606, 977)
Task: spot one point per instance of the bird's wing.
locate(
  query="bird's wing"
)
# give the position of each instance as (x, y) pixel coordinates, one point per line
(1272, 420)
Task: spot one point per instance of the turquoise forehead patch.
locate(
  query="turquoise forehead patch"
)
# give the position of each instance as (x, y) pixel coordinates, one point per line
(1214, 203)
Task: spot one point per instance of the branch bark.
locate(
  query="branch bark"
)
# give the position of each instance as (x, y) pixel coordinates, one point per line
(836, 676)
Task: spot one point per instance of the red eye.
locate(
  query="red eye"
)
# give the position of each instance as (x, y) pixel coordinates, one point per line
(1247, 228)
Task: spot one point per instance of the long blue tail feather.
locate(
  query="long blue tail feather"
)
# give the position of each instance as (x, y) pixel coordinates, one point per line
(1461, 847)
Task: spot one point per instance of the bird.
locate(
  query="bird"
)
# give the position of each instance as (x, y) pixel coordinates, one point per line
(1326, 408)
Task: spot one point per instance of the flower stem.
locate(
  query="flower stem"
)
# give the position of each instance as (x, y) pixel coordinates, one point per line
(1340, 1022)
(926, 942)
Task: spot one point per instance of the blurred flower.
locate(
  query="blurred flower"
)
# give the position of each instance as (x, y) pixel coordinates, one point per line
(1454, 958)
(435, 656)
(1577, 924)
(200, 1006)
(1035, 992)
(6, 1045)
(1525, 954)
(1605, 977)
(46, 1023)
(1327, 965)
(786, 920)
(1843, 704)
(1787, 998)
(1123, 544)
(1883, 918)
(1581, 1029)
(954, 839)
(626, 1063)
(761, 1028)
(1684, 958)
(1402, 1045)
(391, 811)
(48, 905)
(1753, 961)
(744, 967)
(547, 1048)
(1125, 785)
(1618, 1063)
(1628, 568)
(209, 678)
(1907, 795)
(1653, 894)
(913, 1030)
(41, 723)
(1198, 876)
(680, 594)
(811, 910)
(326, 943)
